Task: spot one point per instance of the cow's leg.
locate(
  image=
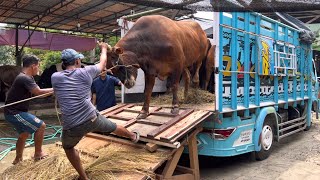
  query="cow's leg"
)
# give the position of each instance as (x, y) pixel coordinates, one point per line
(195, 78)
(186, 82)
(149, 83)
(209, 71)
(175, 86)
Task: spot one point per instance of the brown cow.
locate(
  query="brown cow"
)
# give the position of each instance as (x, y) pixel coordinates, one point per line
(8, 74)
(162, 47)
(209, 66)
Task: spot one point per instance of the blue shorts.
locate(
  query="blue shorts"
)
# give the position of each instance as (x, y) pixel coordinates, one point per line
(24, 122)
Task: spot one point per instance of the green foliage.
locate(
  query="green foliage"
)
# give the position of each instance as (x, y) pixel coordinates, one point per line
(47, 57)
(7, 55)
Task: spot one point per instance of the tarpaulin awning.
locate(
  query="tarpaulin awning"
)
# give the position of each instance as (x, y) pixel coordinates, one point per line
(46, 40)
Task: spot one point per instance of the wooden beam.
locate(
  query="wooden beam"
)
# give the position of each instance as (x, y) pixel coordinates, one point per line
(118, 110)
(162, 114)
(112, 109)
(168, 124)
(151, 147)
(193, 155)
(182, 130)
(119, 117)
(143, 121)
(172, 164)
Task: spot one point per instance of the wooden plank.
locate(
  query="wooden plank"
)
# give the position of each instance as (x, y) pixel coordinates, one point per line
(119, 117)
(118, 110)
(158, 119)
(193, 156)
(183, 133)
(151, 147)
(176, 130)
(119, 122)
(129, 123)
(145, 121)
(170, 123)
(162, 114)
(172, 164)
(174, 145)
(113, 139)
(112, 109)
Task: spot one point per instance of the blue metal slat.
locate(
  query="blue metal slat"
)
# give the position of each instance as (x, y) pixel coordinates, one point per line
(276, 80)
(220, 62)
(285, 79)
(234, 51)
(257, 63)
(302, 74)
(246, 62)
(294, 89)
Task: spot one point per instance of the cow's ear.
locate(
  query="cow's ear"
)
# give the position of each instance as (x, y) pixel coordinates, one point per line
(118, 50)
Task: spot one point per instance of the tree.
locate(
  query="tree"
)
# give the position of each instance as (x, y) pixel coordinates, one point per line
(7, 55)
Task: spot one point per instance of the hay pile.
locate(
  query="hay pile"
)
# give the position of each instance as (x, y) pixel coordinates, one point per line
(195, 96)
(111, 163)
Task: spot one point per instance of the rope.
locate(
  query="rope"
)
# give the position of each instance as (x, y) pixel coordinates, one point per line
(28, 99)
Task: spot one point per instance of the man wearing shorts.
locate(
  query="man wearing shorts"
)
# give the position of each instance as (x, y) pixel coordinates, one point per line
(73, 90)
(25, 123)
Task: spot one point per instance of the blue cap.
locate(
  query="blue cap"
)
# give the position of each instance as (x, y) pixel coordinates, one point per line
(69, 55)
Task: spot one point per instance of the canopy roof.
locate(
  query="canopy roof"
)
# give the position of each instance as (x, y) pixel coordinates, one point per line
(99, 16)
(89, 16)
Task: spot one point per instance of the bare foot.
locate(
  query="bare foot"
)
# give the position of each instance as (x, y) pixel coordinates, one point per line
(16, 161)
(40, 156)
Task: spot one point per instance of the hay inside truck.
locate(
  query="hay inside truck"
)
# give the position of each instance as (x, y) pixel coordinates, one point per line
(265, 85)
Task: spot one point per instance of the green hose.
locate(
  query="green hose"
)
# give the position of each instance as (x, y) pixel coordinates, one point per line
(30, 141)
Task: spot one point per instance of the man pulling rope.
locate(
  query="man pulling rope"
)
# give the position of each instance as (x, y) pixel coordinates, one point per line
(16, 108)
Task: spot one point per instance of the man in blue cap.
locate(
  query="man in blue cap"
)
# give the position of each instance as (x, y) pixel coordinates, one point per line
(72, 88)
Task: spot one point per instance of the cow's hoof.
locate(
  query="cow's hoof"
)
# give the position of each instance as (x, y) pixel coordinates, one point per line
(142, 116)
(175, 110)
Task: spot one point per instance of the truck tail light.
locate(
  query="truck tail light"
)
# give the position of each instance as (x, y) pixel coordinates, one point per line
(222, 133)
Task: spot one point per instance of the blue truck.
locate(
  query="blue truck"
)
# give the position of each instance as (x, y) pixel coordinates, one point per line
(265, 85)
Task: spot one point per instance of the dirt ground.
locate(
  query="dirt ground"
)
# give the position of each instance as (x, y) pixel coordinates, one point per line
(295, 157)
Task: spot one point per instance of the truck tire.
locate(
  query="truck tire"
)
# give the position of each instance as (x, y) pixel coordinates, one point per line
(266, 140)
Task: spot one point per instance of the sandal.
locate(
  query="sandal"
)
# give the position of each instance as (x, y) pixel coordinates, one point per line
(137, 137)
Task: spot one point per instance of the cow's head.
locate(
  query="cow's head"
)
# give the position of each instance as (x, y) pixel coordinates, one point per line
(124, 66)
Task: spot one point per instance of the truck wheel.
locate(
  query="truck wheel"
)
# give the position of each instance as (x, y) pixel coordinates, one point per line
(266, 141)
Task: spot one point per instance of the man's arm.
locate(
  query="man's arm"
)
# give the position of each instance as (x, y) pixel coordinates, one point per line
(103, 56)
(94, 98)
(37, 91)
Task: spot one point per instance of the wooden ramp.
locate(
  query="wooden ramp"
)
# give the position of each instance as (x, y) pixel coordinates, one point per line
(160, 132)
(160, 127)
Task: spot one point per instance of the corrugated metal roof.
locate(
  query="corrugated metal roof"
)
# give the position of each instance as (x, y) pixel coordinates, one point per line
(94, 16)
(99, 16)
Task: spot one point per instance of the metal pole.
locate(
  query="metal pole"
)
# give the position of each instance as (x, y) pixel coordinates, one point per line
(18, 58)
(143, 13)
